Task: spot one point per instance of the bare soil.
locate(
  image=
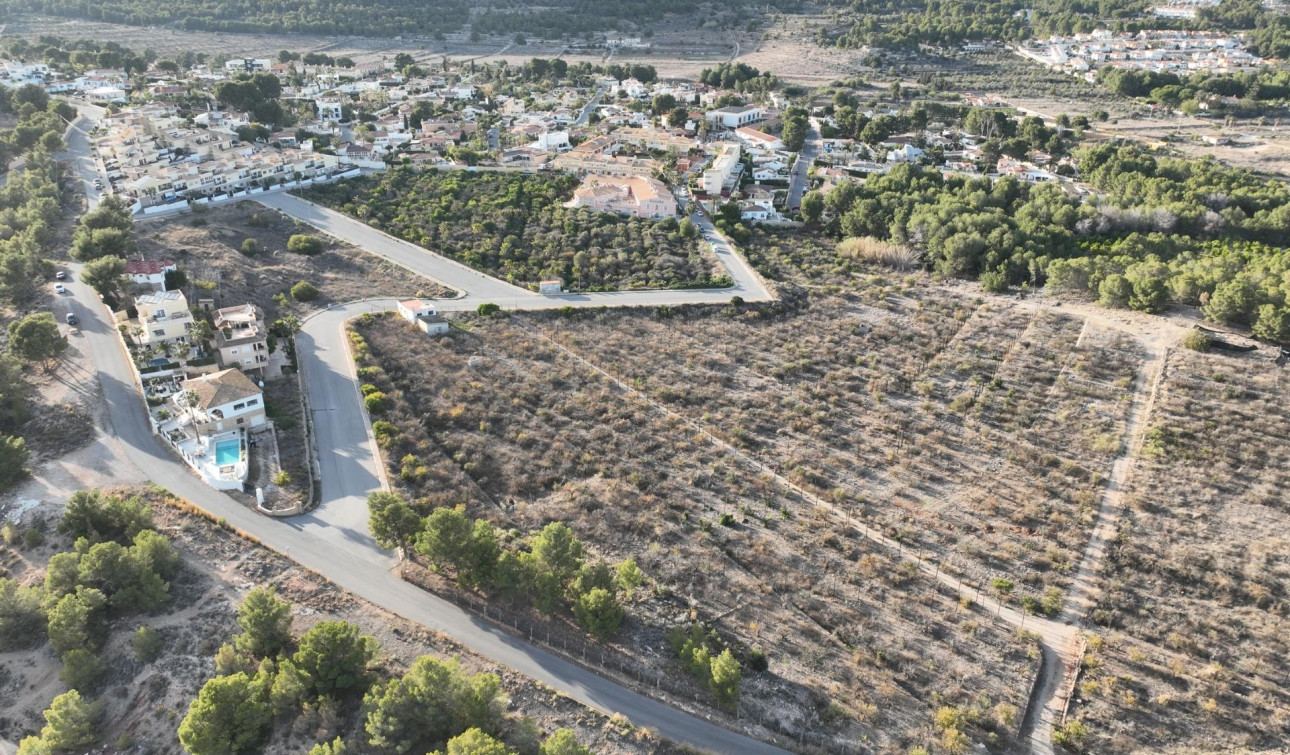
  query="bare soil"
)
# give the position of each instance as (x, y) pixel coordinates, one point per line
(1191, 617)
(206, 246)
(146, 702)
(976, 431)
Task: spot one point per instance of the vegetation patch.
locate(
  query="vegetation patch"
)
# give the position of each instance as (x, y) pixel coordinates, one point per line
(514, 226)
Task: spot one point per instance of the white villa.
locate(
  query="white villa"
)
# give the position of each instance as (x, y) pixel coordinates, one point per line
(207, 422)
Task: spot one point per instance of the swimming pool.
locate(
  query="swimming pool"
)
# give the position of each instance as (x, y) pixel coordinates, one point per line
(228, 452)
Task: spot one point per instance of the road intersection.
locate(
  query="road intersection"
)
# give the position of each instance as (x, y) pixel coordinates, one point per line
(333, 540)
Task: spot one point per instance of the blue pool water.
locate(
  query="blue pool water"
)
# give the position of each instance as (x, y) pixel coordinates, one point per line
(228, 452)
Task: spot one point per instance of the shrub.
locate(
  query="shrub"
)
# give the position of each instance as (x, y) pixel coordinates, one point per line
(282, 478)
(488, 309)
(994, 281)
(599, 612)
(301, 243)
(251, 247)
(147, 644)
(376, 402)
(384, 431)
(82, 670)
(1196, 341)
(304, 291)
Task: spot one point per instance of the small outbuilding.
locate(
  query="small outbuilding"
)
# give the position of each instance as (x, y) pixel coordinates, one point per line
(423, 315)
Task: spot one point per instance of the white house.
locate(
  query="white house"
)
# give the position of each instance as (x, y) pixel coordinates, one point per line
(735, 116)
(760, 139)
(149, 272)
(723, 167)
(226, 400)
(329, 109)
(423, 315)
(907, 153)
(247, 64)
(554, 141)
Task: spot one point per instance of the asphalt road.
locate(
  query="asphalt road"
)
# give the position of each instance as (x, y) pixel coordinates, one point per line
(590, 107)
(307, 541)
(805, 158)
(333, 541)
(79, 156)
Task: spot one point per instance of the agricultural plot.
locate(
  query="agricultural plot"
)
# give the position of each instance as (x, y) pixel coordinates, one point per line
(1193, 642)
(977, 433)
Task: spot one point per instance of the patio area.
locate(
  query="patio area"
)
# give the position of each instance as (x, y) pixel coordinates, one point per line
(220, 458)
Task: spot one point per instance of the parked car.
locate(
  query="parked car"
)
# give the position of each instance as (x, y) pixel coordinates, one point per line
(60, 288)
(98, 183)
(60, 275)
(73, 319)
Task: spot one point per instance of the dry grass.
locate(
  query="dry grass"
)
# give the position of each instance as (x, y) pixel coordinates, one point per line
(1193, 606)
(879, 252)
(978, 432)
(206, 245)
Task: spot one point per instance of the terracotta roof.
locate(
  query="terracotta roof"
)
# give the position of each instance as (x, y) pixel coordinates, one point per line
(223, 387)
(147, 267)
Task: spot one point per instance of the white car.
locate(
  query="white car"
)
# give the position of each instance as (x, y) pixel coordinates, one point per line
(60, 288)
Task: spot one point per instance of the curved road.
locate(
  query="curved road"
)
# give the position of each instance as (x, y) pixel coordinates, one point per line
(334, 541)
(346, 555)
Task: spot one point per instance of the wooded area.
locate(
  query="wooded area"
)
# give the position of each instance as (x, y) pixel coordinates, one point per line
(514, 226)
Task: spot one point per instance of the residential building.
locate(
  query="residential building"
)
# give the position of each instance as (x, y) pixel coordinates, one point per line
(149, 272)
(329, 109)
(241, 338)
(758, 139)
(905, 154)
(163, 317)
(735, 116)
(226, 400)
(153, 158)
(723, 168)
(422, 314)
(554, 141)
(249, 65)
(642, 196)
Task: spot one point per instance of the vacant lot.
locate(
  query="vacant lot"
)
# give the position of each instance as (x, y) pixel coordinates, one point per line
(146, 701)
(976, 432)
(207, 247)
(1194, 592)
(857, 640)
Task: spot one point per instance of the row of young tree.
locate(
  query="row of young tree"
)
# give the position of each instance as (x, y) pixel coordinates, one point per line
(898, 24)
(1161, 229)
(514, 226)
(379, 18)
(70, 55)
(549, 568)
(119, 566)
(30, 205)
(265, 676)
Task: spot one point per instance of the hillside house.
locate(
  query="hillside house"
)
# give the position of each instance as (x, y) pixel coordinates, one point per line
(149, 272)
(226, 400)
(163, 317)
(642, 196)
(735, 116)
(241, 338)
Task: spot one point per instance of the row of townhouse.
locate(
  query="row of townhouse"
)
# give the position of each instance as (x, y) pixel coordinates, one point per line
(153, 159)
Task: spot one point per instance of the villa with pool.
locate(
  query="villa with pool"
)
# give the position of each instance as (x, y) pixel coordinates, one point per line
(207, 420)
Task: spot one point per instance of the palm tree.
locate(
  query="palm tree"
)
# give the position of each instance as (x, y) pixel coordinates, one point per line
(190, 400)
